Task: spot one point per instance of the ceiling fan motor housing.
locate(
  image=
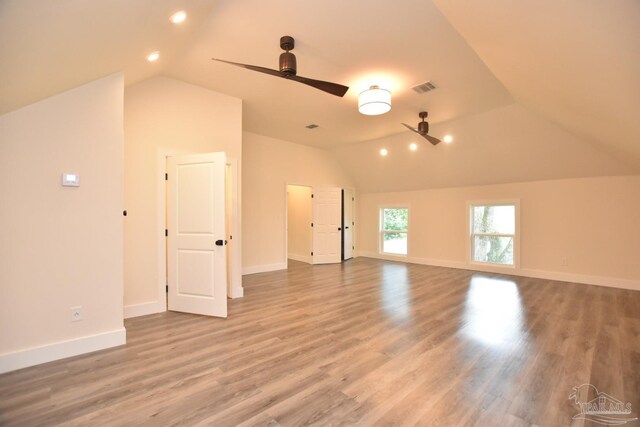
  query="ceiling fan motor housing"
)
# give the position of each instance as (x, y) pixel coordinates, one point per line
(288, 65)
(423, 128)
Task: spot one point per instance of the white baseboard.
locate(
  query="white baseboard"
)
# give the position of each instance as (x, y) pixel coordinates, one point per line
(302, 258)
(611, 282)
(60, 350)
(143, 309)
(236, 292)
(264, 268)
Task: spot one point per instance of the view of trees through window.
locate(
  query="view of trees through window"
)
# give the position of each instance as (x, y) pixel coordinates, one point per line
(394, 228)
(493, 233)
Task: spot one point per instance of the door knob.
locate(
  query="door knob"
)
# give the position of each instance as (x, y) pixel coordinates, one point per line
(221, 242)
(339, 228)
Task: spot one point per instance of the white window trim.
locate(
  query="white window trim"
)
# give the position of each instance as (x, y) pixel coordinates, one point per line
(516, 237)
(381, 231)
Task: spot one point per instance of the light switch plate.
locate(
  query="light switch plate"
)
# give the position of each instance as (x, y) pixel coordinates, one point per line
(70, 179)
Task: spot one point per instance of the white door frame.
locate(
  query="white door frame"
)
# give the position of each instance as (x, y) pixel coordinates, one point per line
(235, 289)
(353, 215)
(161, 219)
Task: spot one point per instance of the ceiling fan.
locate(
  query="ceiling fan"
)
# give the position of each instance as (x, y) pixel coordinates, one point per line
(423, 129)
(288, 70)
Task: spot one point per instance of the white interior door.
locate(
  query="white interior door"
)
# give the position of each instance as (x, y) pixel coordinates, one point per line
(327, 225)
(348, 222)
(196, 251)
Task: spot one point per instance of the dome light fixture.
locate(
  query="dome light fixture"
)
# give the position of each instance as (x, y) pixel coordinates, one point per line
(384, 152)
(374, 101)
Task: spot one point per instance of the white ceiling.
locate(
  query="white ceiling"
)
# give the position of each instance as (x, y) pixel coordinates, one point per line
(575, 63)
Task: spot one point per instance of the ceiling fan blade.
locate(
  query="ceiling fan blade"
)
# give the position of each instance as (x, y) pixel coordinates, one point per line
(434, 141)
(252, 67)
(410, 128)
(332, 88)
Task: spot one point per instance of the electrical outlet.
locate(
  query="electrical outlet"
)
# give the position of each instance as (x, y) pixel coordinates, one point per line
(76, 313)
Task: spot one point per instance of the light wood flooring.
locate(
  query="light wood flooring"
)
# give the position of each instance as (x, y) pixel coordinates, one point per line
(368, 342)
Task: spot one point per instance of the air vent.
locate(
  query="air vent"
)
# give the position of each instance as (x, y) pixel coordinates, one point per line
(311, 126)
(424, 87)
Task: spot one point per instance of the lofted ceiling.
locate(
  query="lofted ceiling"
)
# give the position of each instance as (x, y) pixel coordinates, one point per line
(574, 63)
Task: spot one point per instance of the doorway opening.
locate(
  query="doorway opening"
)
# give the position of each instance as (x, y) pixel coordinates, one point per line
(320, 224)
(299, 219)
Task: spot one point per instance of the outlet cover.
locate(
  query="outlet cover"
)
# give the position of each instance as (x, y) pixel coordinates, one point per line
(76, 314)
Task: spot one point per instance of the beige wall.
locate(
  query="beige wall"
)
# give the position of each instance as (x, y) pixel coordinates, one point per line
(61, 246)
(164, 117)
(299, 222)
(268, 166)
(593, 222)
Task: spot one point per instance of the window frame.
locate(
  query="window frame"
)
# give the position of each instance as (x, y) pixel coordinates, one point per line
(382, 232)
(516, 236)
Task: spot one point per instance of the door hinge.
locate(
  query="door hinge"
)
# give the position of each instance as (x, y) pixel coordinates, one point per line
(353, 247)
(311, 253)
(166, 232)
(166, 176)
(312, 196)
(312, 224)
(167, 288)
(353, 199)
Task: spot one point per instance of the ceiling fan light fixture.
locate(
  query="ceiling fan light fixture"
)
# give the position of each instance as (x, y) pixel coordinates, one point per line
(374, 101)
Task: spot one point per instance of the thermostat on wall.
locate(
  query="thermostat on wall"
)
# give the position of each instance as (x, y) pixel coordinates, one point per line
(70, 180)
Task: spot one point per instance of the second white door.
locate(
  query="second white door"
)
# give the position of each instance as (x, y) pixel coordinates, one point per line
(327, 225)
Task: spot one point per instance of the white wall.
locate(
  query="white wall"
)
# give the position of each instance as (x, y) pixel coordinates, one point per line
(268, 166)
(164, 117)
(593, 222)
(61, 246)
(299, 223)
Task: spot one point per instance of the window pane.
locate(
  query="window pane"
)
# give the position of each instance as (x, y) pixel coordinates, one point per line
(494, 219)
(394, 243)
(395, 219)
(498, 250)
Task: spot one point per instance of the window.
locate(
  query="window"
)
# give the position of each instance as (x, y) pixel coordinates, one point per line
(394, 226)
(493, 233)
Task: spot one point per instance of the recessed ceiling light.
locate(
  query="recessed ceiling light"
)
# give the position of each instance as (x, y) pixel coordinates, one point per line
(153, 56)
(413, 146)
(178, 17)
(384, 152)
(448, 138)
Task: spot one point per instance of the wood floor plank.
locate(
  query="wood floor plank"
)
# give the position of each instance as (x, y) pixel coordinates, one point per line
(366, 342)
